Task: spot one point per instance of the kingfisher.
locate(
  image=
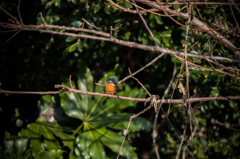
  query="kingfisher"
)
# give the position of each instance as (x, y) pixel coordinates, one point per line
(111, 85)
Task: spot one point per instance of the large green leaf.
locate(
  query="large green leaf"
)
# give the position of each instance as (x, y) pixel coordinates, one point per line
(113, 141)
(51, 154)
(98, 113)
(120, 121)
(15, 147)
(35, 131)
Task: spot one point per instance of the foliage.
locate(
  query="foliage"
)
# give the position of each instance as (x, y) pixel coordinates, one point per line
(88, 126)
(98, 125)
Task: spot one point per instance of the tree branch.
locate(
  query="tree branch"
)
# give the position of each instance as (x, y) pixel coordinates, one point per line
(197, 23)
(39, 28)
(68, 89)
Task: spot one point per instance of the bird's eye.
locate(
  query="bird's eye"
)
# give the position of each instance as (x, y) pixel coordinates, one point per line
(110, 81)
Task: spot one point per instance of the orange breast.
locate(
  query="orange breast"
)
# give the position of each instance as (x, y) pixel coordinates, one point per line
(110, 88)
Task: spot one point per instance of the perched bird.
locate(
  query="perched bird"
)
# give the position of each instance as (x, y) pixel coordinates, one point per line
(111, 85)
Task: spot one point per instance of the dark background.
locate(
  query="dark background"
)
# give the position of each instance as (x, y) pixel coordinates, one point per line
(33, 61)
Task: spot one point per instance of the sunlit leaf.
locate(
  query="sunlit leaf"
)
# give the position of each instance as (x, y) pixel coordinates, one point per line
(73, 47)
(97, 8)
(75, 23)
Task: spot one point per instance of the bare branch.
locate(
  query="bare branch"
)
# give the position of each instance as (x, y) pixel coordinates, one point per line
(139, 82)
(92, 25)
(18, 10)
(134, 116)
(202, 3)
(195, 22)
(208, 69)
(117, 41)
(180, 146)
(190, 139)
(43, 19)
(224, 125)
(68, 89)
(154, 12)
(149, 64)
(16, 20)
(234, 16)
(129, 10)
(158, 110)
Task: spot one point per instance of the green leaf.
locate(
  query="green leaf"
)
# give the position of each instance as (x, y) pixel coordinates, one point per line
(68, 140)
(204, 81)
(177, 6)
(21, 145)
(51, 154)
(75, 24)
(205, 73)
(215, 91)
(35, 143)
(34, 132)
(80, 45)
(70, 38)
(49, 4)
(15, 147)
(120, 121)
(9, 149)
(195, 78)
(166, 41)
(97, 113)
(113, 141)
(19, 122)
(165, 34)
(73, 47)
(203, 109)
(108, 8)
(144, 41)
(128, 5)
(158, 19)
(90, 140)
(97, 8)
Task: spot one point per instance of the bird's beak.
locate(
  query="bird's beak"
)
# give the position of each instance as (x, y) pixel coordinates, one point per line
(119, 87)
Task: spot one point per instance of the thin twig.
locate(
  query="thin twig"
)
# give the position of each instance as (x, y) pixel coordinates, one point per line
(163, 15)
(187, 74)
(149, 64)
(180, 146)
(134, 116)
(189, 141)
(43, 19)
(10, 37)
(92, 25)
(139, 82)
(18, 10)
(195, 22)
(225, 125)
(217, 36)
(234, 16)
(176, 133)
(144, 22)
(158, 110)
(235, 5)
(129, 10)
(208, 69)
(173, 12)
(201, 3)
(16, 20)
(70, 81)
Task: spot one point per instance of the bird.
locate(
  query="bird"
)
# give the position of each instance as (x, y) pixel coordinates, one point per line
(111, 85)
